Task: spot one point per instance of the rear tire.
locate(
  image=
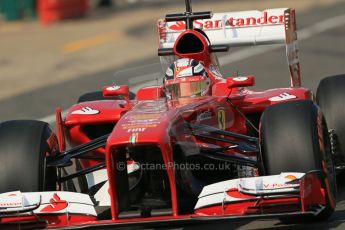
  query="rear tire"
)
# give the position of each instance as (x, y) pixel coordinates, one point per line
(290, 142)
(330, 97)
(24, 146)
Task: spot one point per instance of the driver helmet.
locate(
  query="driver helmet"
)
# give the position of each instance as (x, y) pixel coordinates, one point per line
(186, 78)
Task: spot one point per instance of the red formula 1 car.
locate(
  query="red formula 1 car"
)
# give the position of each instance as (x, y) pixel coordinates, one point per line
(198, 148)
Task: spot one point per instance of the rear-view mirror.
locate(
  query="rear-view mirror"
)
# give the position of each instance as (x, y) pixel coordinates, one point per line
(117, 90)
(240, 81)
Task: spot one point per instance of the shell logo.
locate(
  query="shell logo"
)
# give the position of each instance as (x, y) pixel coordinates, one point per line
(290, 178)
(56, 204)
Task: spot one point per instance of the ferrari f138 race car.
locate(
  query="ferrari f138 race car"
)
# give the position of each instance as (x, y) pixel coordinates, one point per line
(199, 147)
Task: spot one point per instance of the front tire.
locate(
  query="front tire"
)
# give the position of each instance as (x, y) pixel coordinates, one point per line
(24, 147)
(295, 138)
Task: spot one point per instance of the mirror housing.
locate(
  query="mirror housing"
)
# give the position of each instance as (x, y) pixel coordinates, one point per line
(241, 81)
(116, 90)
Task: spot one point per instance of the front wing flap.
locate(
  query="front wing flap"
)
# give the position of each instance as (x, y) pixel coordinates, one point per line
(287, 192)
(44, 209)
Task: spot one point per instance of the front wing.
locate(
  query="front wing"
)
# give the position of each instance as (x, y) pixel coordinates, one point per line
(284, 195)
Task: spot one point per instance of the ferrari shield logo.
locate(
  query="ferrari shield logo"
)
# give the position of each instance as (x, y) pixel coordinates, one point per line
(221, 119)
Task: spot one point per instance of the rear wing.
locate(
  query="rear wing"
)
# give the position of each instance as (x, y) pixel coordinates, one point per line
(244, 28)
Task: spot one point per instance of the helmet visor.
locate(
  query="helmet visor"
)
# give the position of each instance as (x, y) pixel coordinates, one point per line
(179, 89)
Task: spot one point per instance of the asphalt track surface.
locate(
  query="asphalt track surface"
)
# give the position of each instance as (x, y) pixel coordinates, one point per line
(321, 55)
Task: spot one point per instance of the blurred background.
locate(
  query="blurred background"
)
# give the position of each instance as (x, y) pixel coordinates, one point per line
(52, 51)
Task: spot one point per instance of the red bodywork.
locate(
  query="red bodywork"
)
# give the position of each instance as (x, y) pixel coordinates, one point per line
(152, 120)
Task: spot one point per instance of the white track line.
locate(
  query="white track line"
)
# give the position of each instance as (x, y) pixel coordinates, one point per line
(303, 34)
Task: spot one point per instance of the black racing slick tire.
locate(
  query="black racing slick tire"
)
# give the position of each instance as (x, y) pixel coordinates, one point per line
(330, 97)
(294, 138)
(24, 146)
(98, 96)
